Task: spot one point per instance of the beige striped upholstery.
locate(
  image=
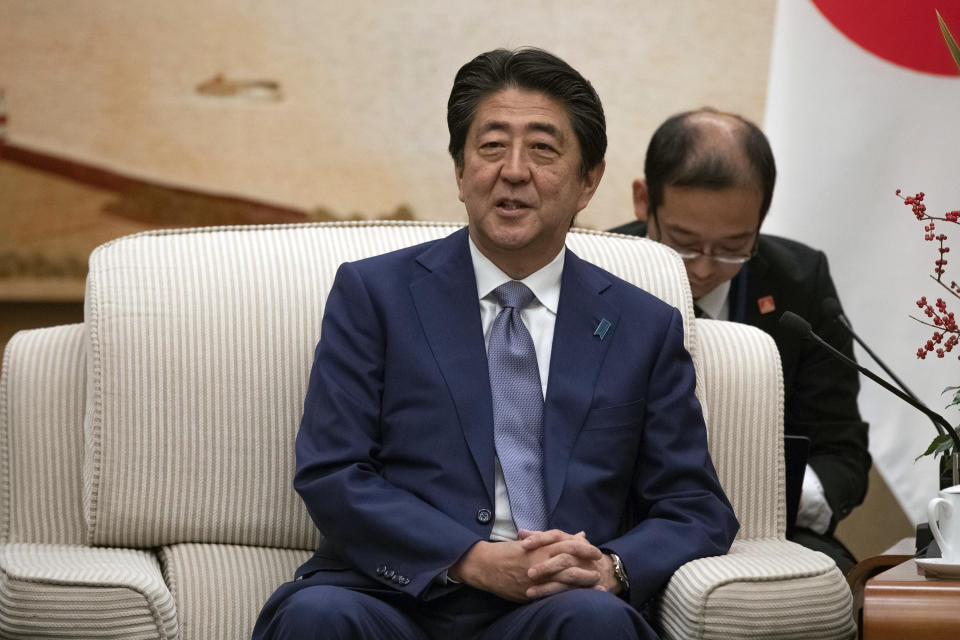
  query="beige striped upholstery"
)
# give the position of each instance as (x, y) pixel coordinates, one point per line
(766, 587)
(744, 390)
(761, 589)
(41, 436)
(50, 586)
(201, 342)
(168, 418)
(67, 591)
(198, 573)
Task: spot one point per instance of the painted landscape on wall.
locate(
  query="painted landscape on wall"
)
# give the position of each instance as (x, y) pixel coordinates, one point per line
(128, 116)
(55, 211)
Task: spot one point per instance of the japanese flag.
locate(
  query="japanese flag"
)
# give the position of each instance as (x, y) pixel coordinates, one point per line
(864, 99)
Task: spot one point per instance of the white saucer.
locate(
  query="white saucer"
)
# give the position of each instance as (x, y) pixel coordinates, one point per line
(938, 567)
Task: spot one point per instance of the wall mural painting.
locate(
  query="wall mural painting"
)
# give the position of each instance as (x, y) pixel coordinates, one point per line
(55, 211)
(121, 117)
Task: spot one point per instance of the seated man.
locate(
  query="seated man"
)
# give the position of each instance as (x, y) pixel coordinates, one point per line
(708, 185)
(488, 450)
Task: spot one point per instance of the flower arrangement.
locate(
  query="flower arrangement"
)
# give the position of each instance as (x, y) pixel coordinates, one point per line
(946, 334)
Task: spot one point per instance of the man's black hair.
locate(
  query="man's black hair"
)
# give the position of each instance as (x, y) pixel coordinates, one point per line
(677, 157)
(535, 70)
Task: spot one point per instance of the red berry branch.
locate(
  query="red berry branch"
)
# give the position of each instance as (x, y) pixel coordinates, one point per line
(946, 334)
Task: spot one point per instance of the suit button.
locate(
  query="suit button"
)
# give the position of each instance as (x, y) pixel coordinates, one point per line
(382, 569)
(484, 516)
(404, 581)
(389, 574)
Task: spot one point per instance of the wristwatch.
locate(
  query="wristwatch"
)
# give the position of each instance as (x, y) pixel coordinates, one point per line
(620, 573)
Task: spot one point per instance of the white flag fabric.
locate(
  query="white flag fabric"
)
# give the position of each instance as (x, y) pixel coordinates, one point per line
(865, 99)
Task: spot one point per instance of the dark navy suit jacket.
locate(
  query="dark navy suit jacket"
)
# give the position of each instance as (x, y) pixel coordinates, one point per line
(395, 453)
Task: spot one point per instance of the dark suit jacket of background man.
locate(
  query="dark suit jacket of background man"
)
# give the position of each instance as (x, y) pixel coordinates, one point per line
(395, 455)
(821, 394)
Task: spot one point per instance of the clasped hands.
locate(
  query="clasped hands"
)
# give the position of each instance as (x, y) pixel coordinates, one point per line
(538, 564)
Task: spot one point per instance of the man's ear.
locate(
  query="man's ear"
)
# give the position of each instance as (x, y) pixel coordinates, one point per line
(458, 174)
(641, 199)
(590, 183)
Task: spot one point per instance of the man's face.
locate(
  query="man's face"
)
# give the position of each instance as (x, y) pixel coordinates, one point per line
(520, 179)
(715, 222)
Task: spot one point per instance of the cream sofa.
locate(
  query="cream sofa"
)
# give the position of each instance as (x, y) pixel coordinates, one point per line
(146, 455)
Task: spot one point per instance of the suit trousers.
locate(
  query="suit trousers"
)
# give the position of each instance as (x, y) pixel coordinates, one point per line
(307, 608)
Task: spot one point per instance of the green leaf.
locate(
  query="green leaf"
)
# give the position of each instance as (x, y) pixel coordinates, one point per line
(940, 444)
(956, 396)
(948, 38)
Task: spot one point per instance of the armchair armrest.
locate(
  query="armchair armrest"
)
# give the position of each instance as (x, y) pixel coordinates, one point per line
(52, 589)
(763, 588)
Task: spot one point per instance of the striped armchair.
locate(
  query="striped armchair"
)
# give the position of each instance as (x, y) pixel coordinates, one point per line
(146, 455)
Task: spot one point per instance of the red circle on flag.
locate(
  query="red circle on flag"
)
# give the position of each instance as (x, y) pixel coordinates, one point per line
(905, 32)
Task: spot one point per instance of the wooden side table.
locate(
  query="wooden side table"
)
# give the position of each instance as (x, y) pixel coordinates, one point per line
(866, 569)
(903, 603)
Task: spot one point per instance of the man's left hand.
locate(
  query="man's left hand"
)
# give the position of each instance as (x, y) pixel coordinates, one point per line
(571, 563)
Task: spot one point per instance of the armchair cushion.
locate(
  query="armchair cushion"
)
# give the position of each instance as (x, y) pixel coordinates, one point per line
(197, 574)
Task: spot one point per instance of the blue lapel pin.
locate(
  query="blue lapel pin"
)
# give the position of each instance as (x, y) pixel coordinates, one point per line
(602, 328)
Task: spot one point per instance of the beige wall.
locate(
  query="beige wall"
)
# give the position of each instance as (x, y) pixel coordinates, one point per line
(361, 126)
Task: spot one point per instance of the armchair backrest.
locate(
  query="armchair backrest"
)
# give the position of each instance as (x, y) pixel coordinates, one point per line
(200, 345)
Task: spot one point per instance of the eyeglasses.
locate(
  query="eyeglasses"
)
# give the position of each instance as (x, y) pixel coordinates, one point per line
(689, 255)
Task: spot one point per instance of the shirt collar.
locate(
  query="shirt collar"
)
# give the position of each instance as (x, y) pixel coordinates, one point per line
(713, 302)
(545, 282)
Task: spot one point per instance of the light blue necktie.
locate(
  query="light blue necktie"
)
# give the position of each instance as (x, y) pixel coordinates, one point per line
(517, 407)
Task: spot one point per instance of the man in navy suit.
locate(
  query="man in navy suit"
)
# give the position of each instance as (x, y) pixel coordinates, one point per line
(402, 459)
(708, 184)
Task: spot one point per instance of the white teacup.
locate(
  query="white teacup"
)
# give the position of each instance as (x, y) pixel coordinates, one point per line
(943, 513)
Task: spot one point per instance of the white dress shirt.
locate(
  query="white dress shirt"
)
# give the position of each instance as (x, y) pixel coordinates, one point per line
(814, 512)
(716, 304)
(540, 317)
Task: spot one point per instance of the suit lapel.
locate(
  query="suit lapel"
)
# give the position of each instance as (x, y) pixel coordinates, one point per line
(449, 310)
(575, 361)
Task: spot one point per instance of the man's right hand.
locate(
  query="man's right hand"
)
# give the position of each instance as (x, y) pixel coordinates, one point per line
(498, 567)
(504, 568)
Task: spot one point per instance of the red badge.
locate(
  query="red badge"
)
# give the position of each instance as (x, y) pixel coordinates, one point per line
(766, 304)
